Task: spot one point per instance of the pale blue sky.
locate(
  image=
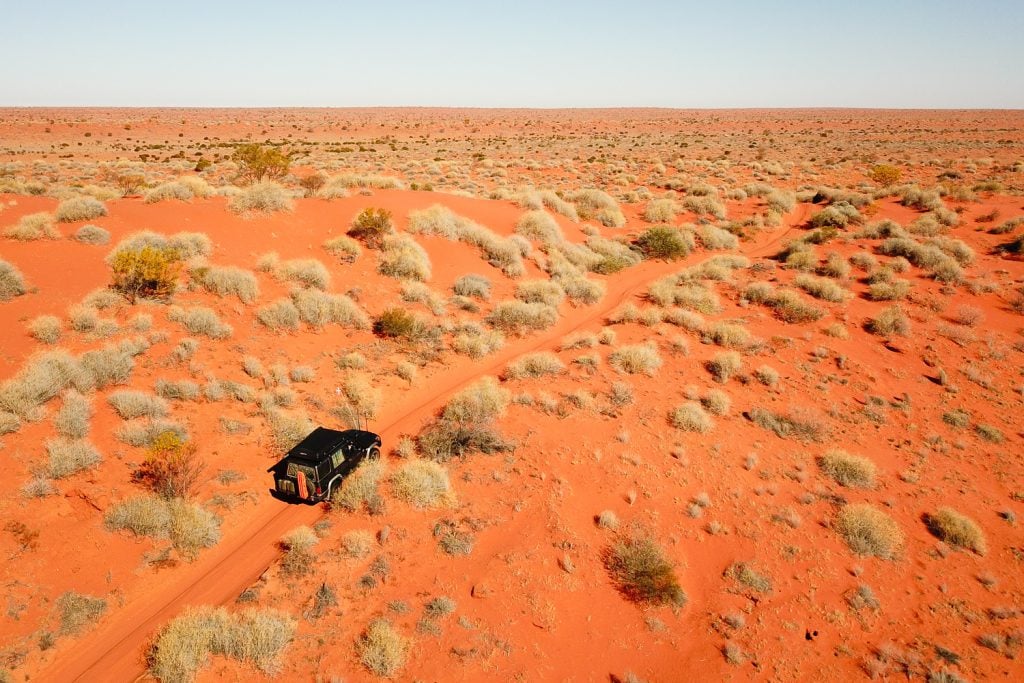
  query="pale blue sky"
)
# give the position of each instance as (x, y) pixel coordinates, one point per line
(525, 53)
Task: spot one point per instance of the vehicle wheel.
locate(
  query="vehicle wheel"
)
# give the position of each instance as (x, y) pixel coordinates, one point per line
(374, 453)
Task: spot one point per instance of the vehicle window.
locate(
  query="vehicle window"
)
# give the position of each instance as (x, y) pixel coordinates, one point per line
(295, 468)
(338, 457)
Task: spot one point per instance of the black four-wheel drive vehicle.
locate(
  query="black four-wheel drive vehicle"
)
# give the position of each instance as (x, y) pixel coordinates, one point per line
(316, 466)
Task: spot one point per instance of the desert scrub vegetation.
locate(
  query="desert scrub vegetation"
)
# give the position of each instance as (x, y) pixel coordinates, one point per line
(145, 432)
(848, 470)
(796, 423)
(868, 531)
(80, 209)
(65, 457)
(745, 574)
(786, 304)
(692, 296)
(298, 556)
(263, 197)
(822, 288)
(279, 315)
(344, 248)
(382, 650)
(372, 226)
(889, 322)
(499, 251)
(77, 611)
(402, 257)
(46, 329)
(597, 205)
(729, 335)
(519, 317)
(636, 359)
(12, 282)
(956, 529)
(188, 526)
(398, 323)
(200, 320)
(172, 467)
(472, 285)
(317, 309)
(724, 366)
(253, 636)
(305, 272)
(72, 420)
(546, 292)
(361, 488)
(423, 484)
(150, 272)
(533, 365)
(662, 210)
(470, 339)
(691, 417)
(130, 404)
(33, 226)
(716, 238)
(665, 242)
(642, 572)
(466, 424)
(930, 256)
(228, 281)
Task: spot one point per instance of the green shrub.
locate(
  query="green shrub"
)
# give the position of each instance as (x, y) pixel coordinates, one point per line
(371, 226)
(256, 162)
(642, 571)
(957, 529)
(148, 273)
(868, 531)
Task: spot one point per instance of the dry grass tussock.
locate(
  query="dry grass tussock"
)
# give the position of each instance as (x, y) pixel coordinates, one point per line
(80, 209)
(691, 417)
(848, 470)
(798, 423)
(382, 649)
(12, 282)
(46, 328)
(518, 317)
(129, 404)
(868, 530)
(466, 425)
(957, 529)
(200, 320)
(188, 526)
(68, 457)
(317, 309)
(499, 251)
(423, 484)
(361, 488)
(265, 197)
(187, 245)
(642, 571)
(34, 226)
(228, 281)
(636, 359)
(533, 365)
(402, 257)
(253, 636)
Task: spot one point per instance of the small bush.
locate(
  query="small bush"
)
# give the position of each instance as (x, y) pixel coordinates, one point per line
(80, 209)
(172, 468)
(868, 531)
(344, 248)
(660, 211)
(767, 376)
(822, 288)
(189, 527)
(797, 424)
(398, 323)
(848, 470)
(177, 390)
(12, 282)
(228, 281)
(265, 197)
(279, 315)
(66, 458)
(255, 636)
(957, 529)
(729, 336)
(34, 226)
(381, 649)
(306, 272)
(46, 328)
(533, 365)
(92, 234)
(724, 365)
(298, 551)
(404, 258)
(546, 292)
(149, 272)
(146, 432)
(744, 573)
(72, 420)
(890, 321)
(664, 242)
(200, 320)
(78, 611)
(371, 226)
(476, 286)
(130, 404)
(465, 425)
(885, 174)
(716, 402)
(360, 488)
(423, 484)
(691, 417)
(317, 309)
(519, 317)
(636, 359)
(642, 571)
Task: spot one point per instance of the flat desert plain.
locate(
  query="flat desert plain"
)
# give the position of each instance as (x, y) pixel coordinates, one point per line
(664, 395)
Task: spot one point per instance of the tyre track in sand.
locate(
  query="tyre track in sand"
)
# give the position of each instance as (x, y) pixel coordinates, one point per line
(114, 651)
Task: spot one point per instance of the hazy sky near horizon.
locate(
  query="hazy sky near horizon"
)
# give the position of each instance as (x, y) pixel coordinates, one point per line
(464, 53)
